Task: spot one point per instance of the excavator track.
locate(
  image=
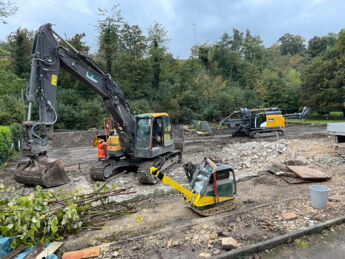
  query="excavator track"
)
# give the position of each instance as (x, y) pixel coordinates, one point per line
(216, 209)
(143, 174)
(97, 171)
(264, 133)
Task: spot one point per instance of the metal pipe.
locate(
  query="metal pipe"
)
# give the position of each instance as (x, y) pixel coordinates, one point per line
(29, 111)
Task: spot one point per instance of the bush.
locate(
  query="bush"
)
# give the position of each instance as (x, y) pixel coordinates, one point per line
(11, 109)
(6, 140)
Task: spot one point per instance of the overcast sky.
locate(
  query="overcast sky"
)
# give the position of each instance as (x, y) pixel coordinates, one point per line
(269, 19)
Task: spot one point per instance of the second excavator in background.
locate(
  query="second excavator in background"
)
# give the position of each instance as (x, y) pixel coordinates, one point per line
(265, 121)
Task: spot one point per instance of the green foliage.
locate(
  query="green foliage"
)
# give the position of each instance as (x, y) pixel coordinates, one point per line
(109, 27)
(140, 106)
(291, 44)
(11, 109)
(323, 82)
(157, 38)
(301, 243)
(45, 216)
(20, 45)
(10, 83)
(31, 220)
(69, 81)
(79, 113)
(5, 143)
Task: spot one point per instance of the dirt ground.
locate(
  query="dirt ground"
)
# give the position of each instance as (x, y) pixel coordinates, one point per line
(169, 229)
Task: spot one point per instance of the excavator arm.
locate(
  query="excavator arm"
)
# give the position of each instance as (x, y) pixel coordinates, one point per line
(50, 53)
(48, 56)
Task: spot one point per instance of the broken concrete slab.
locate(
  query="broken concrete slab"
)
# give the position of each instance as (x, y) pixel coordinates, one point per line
(229, 243)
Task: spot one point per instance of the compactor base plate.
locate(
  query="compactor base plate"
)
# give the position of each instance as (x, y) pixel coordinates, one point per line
(215, 208)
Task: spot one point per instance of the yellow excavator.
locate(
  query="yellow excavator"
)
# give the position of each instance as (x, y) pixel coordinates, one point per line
(263, 121)
(136, 141)
(212, 187)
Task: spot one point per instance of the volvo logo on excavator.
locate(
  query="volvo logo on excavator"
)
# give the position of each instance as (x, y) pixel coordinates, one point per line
(92, 77)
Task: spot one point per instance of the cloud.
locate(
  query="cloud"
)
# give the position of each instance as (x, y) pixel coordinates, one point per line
(269, 19)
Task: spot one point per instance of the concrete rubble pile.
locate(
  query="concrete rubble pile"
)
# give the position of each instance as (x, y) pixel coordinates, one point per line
(255, 156)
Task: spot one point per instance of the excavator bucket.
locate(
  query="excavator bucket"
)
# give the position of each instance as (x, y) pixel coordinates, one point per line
(47, 172)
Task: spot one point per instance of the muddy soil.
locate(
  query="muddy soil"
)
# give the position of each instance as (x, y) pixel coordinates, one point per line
(164, 227)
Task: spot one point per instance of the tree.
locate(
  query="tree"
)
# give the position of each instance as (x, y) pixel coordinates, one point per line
(157, 37)
(227, 57)
(66, 80)
(7, 8)
(316, 45)
(291, 44)
(109, 34)
(20, 46)
(252, 49)
(202, 53)
(11, 107)
(133, 41)
(323, 82)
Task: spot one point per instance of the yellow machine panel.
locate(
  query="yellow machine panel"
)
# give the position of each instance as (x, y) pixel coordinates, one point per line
(275, 120)
(114, 144)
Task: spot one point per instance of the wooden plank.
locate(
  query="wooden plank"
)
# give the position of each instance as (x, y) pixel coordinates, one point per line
(50, 249)
(14, 252)
(86, 253)
(306, 172)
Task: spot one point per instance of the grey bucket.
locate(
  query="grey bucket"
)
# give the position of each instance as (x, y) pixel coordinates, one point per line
(319, 196)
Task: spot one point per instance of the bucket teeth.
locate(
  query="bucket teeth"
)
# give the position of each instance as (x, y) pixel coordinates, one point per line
(46, 172)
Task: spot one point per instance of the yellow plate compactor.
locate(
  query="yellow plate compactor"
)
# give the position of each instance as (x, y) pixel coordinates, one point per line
(212, 187)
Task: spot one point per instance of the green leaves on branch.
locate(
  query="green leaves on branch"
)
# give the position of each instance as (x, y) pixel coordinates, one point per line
(45, 216)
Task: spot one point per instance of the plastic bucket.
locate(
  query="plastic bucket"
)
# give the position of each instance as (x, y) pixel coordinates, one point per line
(319, 196)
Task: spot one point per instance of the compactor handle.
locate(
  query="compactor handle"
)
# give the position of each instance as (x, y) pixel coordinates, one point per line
(211, 163)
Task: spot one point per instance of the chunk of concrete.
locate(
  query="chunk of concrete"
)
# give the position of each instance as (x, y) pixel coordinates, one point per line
(204, 255)
(229, 243)
(289, 216)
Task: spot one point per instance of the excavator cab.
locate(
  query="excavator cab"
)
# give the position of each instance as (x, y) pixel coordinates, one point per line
(153, 135)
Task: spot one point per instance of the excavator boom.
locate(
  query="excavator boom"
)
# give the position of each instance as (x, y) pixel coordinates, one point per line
(50, 53)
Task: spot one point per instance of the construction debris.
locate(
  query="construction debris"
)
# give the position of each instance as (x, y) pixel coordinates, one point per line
(289, 216)
(86, 253)
(305, 172)
(202, 126)
(204, 255)
(229, 243)
(295, 174)
(50, 249)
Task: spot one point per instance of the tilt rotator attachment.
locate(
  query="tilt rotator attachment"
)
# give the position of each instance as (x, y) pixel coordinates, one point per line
(212, 187)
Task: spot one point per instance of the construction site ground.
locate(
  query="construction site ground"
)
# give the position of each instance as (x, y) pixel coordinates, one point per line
(164, 227)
